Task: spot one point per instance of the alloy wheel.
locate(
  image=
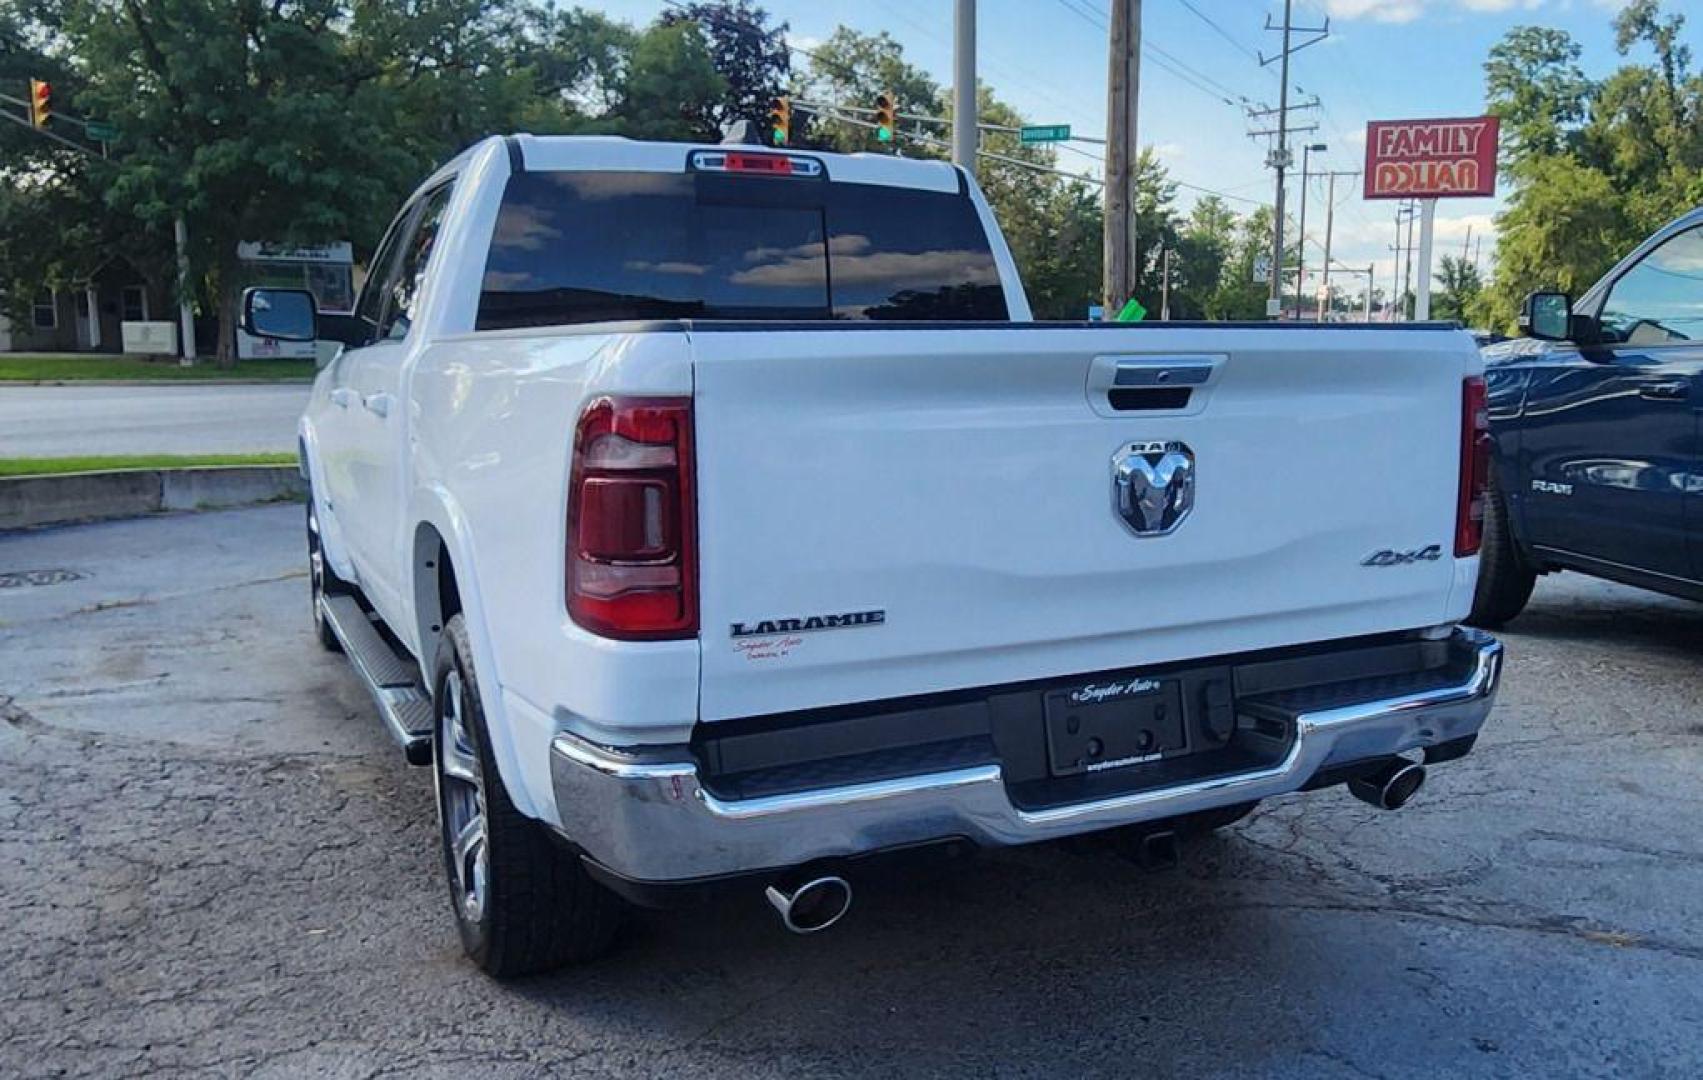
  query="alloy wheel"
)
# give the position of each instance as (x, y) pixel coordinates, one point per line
(461, 787)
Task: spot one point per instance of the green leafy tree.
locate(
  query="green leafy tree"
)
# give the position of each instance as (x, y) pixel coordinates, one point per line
(1238, 296)
(853, 68)
(748, 53)
(670, 87)
(1204, 245)
(1592, 166)
(1458, 288)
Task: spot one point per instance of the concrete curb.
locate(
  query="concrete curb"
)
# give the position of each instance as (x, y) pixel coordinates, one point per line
(32, 501)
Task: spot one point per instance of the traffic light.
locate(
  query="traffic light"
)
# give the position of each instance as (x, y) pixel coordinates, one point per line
(41, 103)
(886, 117)
(780, 121)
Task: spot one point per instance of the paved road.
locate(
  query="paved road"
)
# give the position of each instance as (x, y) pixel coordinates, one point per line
(61, 421)
(214, 862)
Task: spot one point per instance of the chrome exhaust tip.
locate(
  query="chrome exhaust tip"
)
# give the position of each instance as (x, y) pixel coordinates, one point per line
(1390, 787)
(815, 905)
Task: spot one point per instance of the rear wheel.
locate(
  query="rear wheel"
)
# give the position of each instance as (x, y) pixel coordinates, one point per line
(323, 581)
(522, 904)
(1505, 578)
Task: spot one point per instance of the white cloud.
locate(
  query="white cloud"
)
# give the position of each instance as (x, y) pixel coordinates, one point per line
(1389, 11)
(1406, 11)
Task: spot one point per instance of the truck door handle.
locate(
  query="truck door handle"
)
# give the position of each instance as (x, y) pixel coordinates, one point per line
(1665, 391)
(341, 397)
(377, 404)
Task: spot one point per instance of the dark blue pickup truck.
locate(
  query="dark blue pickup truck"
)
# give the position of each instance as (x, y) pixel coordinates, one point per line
(1596, 419)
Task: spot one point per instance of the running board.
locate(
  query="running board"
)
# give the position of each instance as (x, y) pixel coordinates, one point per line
(389, 674)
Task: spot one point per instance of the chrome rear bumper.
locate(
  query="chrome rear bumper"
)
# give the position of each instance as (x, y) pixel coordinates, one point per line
(649, 819)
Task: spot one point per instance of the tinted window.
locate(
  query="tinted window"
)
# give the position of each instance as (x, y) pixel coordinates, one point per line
(1660, 300)
(416, 252)
(592, 247)
(371, 304)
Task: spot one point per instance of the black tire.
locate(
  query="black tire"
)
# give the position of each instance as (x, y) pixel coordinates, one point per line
(1219, 817)
(1505, 578)
(322, 581)
(540, 909)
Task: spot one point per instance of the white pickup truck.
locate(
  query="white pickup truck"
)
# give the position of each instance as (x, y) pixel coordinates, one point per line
(707, 514)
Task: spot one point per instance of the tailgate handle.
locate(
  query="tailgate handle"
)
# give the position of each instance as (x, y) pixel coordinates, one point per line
(1161, 374)
(1138, 386)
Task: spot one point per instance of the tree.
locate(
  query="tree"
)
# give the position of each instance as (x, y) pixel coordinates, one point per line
(852, 68)
(1457, 290)
(670, 87)
(750, 56)
(1204, 246)
(1533, 82)
(1593, 166)
(1238, 295)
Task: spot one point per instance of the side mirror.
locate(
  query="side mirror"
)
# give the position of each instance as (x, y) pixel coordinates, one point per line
(279, 314)
(1547, 316)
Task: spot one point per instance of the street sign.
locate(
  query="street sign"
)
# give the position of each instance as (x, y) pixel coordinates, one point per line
(1262, 269)
(101, 131)
(1429, 159)
(1273, 308)
(1045, 133)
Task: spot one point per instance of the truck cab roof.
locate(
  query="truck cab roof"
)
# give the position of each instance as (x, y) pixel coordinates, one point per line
(597, 153)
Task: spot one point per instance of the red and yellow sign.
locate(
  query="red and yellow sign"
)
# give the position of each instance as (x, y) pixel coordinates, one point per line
(1426, 159)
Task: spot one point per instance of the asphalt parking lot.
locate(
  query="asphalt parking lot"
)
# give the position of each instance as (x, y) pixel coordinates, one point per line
(213, 860)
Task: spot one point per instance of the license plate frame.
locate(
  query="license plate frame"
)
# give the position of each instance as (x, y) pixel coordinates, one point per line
(1113, 723)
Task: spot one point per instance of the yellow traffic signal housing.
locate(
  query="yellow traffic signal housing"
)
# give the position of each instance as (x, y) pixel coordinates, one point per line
(780, 121)
(41, 103)
(886, 117)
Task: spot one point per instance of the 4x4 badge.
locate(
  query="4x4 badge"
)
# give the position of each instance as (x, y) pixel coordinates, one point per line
(1387, 557)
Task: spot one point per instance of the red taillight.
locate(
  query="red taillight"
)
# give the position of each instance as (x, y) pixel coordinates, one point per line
(1475, 466)
(632, 557)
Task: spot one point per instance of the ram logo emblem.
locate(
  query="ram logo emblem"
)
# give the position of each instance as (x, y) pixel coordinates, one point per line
(1153, 486)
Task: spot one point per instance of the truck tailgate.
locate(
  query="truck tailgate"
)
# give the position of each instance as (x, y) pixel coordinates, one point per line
(893, 511)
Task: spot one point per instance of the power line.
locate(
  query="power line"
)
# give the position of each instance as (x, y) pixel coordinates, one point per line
(1223, 33)
(824, 108)
(1166, 61)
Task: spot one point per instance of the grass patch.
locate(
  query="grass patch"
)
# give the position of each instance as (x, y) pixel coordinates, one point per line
(25, 367)
(48, 466)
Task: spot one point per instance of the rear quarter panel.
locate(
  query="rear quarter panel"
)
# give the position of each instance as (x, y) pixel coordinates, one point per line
(493, 419)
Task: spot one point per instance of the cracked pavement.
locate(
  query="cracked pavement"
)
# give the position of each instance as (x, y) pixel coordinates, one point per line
(213, 861)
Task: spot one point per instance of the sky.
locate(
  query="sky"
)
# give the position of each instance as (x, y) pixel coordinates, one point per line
(1383, 60)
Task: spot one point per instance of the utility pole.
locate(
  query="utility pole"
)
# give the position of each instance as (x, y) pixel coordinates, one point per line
(1330, 221)
(1165, 258)
(1370, 269)
(1395, 267)
(1466, 245)
(1123, 95)
(964, 134)
(1301, 230)
(1279, 158)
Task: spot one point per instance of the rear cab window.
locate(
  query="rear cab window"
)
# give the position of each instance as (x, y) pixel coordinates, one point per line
(579, 247)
